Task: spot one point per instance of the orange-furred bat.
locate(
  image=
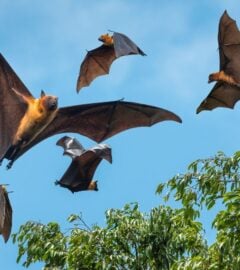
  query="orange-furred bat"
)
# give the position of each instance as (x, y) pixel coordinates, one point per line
(39, 114)
(26, 121)
(98, 61)
(226, 91)
(5, 214)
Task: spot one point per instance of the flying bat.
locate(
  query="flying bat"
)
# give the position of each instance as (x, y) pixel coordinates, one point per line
(226, 91)
(98, 61)
(26, 121)
(5, 214)
(79, 175)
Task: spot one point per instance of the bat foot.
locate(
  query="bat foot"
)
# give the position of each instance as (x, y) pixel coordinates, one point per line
(9, 165)
(56, 182)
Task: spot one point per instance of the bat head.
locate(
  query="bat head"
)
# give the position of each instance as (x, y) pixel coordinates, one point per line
(3, 187)
(50, 103)
(212, 77)
(106, 39)
(93, 186)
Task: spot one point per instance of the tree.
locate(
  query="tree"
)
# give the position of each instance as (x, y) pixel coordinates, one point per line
(164, 238)
(206, 183)
(130, 240)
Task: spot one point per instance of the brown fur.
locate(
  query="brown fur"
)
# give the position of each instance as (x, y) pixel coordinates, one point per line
(222, 76)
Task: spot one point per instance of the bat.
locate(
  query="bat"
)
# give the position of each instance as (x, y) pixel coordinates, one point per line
(226, 91)
(5, 214)
(98, 61)
(79, 175)
(26, 121)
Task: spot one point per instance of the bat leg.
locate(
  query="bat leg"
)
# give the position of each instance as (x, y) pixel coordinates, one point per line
(8, 154)
(12, 153)
(13, 157)
(9, 165)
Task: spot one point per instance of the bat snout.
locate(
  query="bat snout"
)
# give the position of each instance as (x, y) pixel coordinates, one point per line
(106, 39)
(210, 78)
(52, 103)
(95, 186)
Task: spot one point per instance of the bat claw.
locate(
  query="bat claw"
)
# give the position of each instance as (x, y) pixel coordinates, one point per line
(56, 182)
(9, 165)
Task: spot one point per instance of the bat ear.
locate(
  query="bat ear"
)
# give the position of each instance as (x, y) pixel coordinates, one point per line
(42, 93)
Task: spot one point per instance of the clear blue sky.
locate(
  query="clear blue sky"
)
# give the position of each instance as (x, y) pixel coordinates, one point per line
(45, 42)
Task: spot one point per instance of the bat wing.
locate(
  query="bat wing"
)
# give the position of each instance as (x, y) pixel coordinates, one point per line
(72, 147)
(73, 175)
(103, 151)
(79, 174)
(5, 214)
(89, 161)
(100, 121)
(12, 110)
(222, 95)
(229, 46)
(96, 63)
(123, 45)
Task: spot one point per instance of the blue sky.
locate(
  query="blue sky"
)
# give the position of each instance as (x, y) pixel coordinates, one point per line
(45, 42)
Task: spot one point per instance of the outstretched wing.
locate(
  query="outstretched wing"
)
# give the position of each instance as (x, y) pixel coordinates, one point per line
(89, 162)
(229, 46)
(222, 95)
(103, 151)
(5, 214)
(72, 147)
(96, 63)
(100, 121)
(12, 110)
(123, 45)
